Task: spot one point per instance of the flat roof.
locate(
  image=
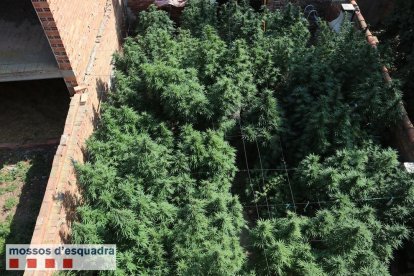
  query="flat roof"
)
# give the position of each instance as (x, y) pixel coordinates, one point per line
(25, 53)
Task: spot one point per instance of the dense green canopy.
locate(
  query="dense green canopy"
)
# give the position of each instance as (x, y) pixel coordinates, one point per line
(193, 105)
(357, 203)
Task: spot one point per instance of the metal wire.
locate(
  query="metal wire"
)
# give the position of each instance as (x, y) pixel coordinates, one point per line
(252, 189)
(287, 173)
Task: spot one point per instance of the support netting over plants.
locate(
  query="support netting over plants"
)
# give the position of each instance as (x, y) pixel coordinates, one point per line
(229, 145)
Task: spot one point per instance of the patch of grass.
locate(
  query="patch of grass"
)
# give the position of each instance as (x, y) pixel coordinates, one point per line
(4, 232)
(7, 189)
(18, 171)
(6, 177)
(23, 179)
(10, 203)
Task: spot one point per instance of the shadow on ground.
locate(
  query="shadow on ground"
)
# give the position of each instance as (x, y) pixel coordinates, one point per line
(21, 226)
(32, 111)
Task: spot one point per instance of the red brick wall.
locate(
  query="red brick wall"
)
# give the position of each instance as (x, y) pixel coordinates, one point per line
(404, 144)
(90, 32)
(404, 132)
(53, 34)
(71, 28)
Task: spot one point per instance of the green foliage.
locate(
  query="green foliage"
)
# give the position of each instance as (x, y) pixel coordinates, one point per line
(365, 200)
(159, 172)
(337, 86)
(198, 14)
(400, 30)
(153, 20)
(18, 171)
(360, 174)
(7, 189)
(22, 186)
(10, 203)
(5, 229)
(143, 191)
(203, 75)
(342, 240)
(281, 247)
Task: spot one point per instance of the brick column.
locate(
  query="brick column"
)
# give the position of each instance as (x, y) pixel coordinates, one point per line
(52, 33)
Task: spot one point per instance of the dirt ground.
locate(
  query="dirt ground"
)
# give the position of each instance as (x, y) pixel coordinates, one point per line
(23, 178)
(32, 111)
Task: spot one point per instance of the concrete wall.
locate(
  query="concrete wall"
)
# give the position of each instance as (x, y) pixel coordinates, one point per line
(86, 33)
(25, 53)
